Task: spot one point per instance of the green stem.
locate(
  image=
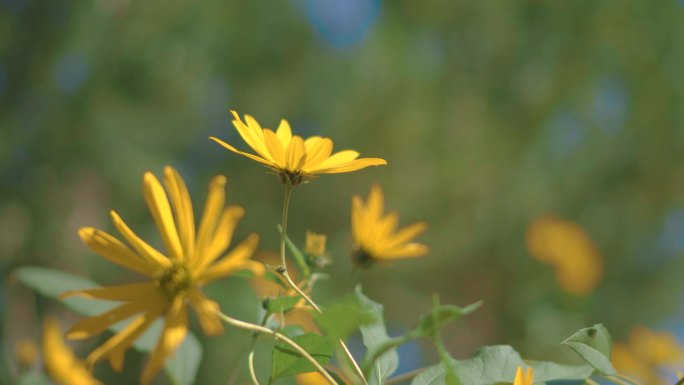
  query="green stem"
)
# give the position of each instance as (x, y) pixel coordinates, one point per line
(283, 223)
(279, 337)
(282, 269)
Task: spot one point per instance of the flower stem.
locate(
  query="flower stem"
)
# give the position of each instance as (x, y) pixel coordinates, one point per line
(283, 271)
(250, 361)
(280, 337)
(283, 222)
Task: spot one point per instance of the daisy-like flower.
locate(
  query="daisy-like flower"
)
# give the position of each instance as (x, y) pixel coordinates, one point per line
(61, 364)
(525, 379)
(292, 158)
(175, 277)
(376, 238)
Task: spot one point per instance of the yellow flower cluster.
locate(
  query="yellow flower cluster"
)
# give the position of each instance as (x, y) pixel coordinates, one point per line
(565, 246)
(193, 257)
(646, 354)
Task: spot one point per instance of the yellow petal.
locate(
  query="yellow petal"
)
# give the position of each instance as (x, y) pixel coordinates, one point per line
(519, 380)
(375, 202)
(91, 326)
(235, 260)
(284, 133)
(318, 153)
(175, 329)
(408, 250)
(252, 134)
(354, 165)
(358, 219)
(216, 198)
(182, 207)
(224, 234)
(259, 159)
(117, 345)
(146, 251)
(159, 207)
(529, 376)
(295, 154)
(407, 234)
(275, 148)
(115, 251)
(337, 159)
(207, 313)
(60, 363)
(116, 293)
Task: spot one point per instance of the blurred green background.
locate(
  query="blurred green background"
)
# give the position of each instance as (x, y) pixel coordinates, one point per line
(490, 114)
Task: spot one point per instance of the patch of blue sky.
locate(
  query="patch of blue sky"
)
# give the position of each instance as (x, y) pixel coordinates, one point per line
(342, 23)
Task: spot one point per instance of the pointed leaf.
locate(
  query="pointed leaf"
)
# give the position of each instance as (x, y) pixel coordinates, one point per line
(594, 345)
(374, 336)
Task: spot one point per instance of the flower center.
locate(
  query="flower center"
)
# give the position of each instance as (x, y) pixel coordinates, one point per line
(175, 281)
(289, 177)
(362, 258)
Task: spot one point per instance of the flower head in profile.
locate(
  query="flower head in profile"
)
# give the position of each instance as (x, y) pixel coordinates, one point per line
(191, 259)
(293, 158)
(523, 378)
(376, 238)
(61, 364)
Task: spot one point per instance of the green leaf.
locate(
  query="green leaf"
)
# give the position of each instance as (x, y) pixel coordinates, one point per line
(287, 361)
(498, 364)
(184, 364)
(296, 254)
(594, 345)
(551, 371)
(430, 323)
(52, 283)
(281, 304)
(33, 378)
(375, 338)
(341, 319)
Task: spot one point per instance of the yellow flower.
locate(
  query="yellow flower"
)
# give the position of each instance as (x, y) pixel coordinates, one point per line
(60, 363)
(565, 246)
(647, 354)
(315, 243)
(376, 238)
(175, 277)
(291, 157)
(521, 379)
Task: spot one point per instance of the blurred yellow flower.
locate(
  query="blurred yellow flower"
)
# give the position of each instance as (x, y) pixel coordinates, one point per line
(290, 156)
(315, 243)
(646, 354)
(61, 364)
(566, 247)
(525, 379)
(176, 277)
(376, 238)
